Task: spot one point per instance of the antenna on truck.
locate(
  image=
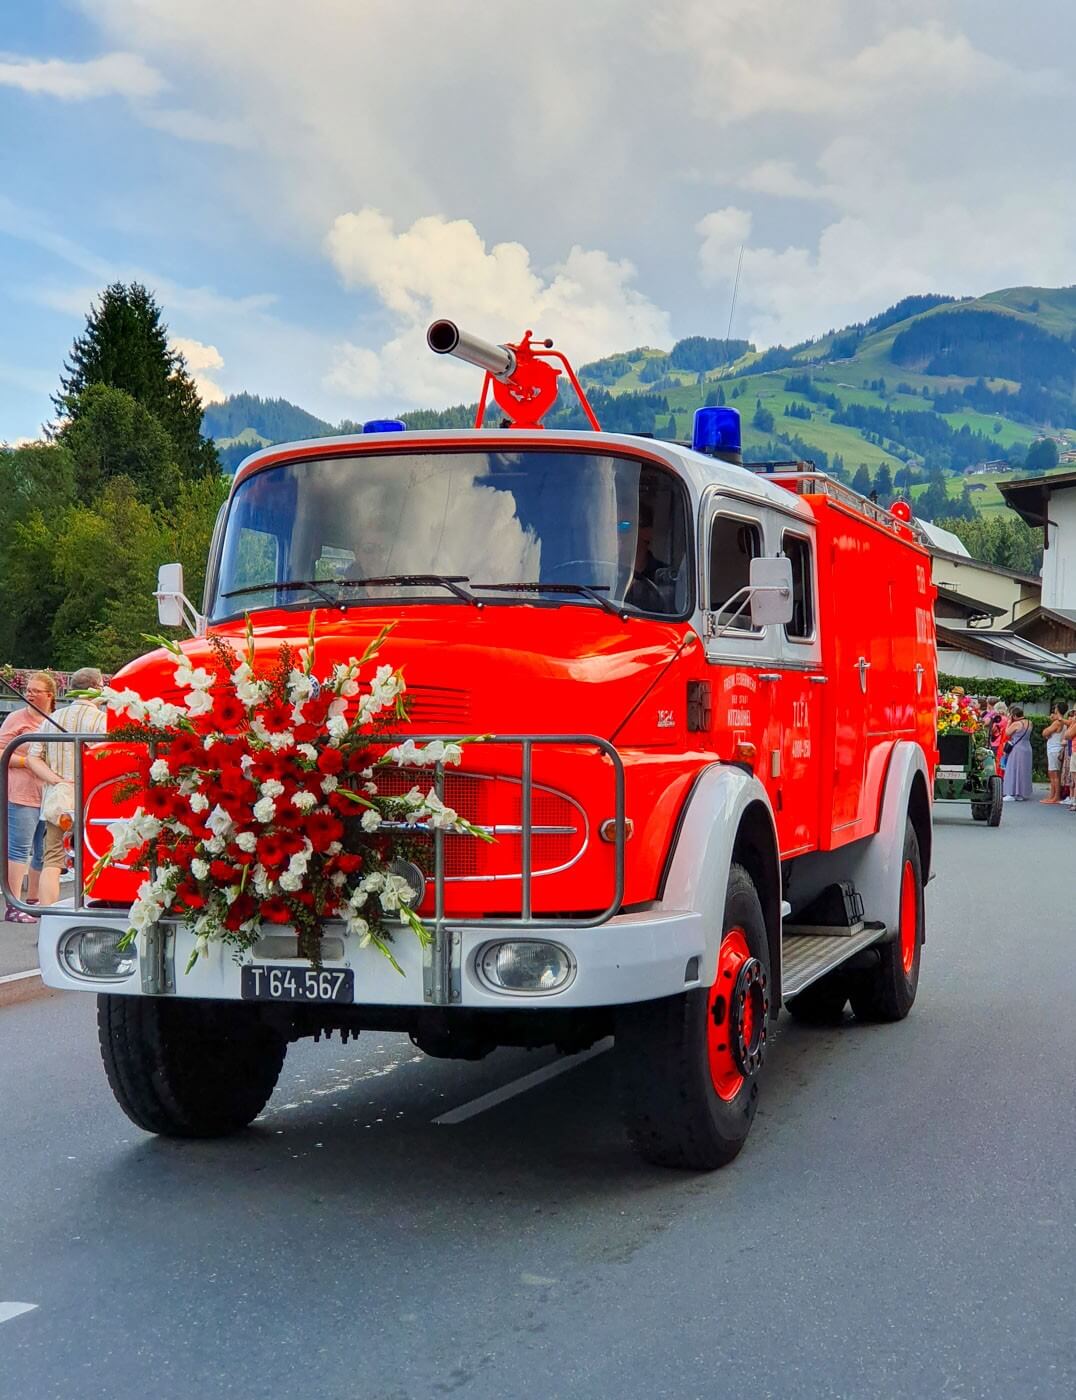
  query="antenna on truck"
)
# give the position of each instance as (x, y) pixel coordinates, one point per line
(523, 382)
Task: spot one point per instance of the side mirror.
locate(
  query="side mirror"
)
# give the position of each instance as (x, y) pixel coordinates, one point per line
(771, 591)
(170, 595)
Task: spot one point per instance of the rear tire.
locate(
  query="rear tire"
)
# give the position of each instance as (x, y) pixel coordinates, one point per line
(823, 1002)
(996, 802)
(185, 1068)
(887, 991)
(686, 1100)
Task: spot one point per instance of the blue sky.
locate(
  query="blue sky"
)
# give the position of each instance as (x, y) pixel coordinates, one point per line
(304, 187)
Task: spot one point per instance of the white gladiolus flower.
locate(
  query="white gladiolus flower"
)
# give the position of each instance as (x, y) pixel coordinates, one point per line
(263, 885)
(300, 687)
(159, 770)
(336, 727)
(354, 924)
(201, 946)
(199, 702)
(199, 868)
(414, 797)
(440, 752)
(370, 789)
(246, 841)
(264, 810)
(246, 763)
(447, 818)
(371, 820)
(367, 773)
(197, 679)
(271, 788)
(329, 783)
(338, 707)
(350, 687)
(219, 822)
(304, 801)
(128, 835)
(199, 802)
(407, 755)
(394, 892)
(251, 693)
(159, 712)
(358, 897)
(371, 883)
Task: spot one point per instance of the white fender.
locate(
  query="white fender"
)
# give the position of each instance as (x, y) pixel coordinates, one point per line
(874, 863)
(698, 875)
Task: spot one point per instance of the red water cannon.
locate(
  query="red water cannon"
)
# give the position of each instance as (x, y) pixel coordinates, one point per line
(523, 382)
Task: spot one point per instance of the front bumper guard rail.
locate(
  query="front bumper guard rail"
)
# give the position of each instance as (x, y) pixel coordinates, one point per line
(441, 960)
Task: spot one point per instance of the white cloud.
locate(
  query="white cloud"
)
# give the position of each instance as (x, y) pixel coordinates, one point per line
(112, 75)
(441, 267)
(200, 360)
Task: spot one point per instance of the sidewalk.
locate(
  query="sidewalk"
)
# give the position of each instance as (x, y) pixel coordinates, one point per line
(18, 948)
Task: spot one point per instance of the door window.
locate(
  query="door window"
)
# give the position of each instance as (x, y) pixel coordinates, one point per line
(734, 542)
(798, 550)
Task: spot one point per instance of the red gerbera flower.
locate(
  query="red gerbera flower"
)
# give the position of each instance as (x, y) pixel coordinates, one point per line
(223, 873)
(229, 712)
(275, 911)
(161, 802)
(322, 829)
(239, 912)
(330, 761)
(185, 752)
(189, 895)
(272, 851)
(276, 716)
(348, 862)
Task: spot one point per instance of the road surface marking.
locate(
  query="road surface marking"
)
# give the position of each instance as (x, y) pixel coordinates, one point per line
(520, 1086)
(10, 1310)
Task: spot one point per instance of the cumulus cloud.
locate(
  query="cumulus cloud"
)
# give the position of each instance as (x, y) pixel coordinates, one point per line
(201, 359)
(112, 75)
(440, 267)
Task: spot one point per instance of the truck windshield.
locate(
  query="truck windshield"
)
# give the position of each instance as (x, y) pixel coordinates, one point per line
(409, 526)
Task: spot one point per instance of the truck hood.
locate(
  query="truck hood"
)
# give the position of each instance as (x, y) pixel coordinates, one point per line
(507, 669)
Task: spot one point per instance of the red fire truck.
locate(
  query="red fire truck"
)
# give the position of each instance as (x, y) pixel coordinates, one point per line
(709, 697)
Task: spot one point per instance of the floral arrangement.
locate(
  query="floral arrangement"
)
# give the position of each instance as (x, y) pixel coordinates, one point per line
(259, 802)
(959, 715)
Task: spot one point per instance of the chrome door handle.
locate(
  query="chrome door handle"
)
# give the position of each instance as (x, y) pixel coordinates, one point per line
(818, 680)
(919, 679)
(769, 675)
(863, 666)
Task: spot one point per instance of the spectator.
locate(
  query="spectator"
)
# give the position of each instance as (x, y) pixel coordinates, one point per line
(1054, 735)
(55, 763)
(1018, 762)
(25, 831)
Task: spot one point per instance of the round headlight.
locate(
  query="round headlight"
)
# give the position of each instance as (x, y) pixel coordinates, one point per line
(94, 952)
(527, 966)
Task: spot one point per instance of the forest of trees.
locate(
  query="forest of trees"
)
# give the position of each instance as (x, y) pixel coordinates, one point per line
(989, 344)
(125, 483)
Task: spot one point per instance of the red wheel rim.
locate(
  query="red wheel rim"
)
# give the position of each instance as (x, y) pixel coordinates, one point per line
(725, 1073)
(909, 917)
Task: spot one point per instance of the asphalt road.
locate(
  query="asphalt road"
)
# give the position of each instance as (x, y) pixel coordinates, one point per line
(901, 1223)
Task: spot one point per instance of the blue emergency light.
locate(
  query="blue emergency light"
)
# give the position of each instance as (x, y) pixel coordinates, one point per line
(717, 433)
(384, 425)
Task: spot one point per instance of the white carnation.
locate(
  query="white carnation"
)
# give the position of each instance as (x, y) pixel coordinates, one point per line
(330, 783)
(264, 810)
(159, 770)
(199, 868)
(199, 802)
(246, 841)
(371, 820)
(309, 752)
(304, 801)
(290, 882)
(271, 788)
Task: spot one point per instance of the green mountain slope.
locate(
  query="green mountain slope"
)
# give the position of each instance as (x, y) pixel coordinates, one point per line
(931, 385)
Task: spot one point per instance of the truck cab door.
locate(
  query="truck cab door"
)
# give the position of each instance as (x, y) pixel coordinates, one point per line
(800, 701)
(745, 659)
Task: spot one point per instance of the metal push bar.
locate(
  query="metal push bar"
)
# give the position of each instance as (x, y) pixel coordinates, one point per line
(442, 931)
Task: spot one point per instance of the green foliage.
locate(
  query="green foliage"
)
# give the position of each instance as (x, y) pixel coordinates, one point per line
(111, 434)
(1041, 456)
(274, 420)
(883, 484)
(762, 419)
(699, 352)
(861, 482)
(1015, 692)
(974, 342)
(715, 398)
(995, 539)
(125, 346)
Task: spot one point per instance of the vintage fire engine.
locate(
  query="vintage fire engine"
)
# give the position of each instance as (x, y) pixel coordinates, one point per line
(710, 696)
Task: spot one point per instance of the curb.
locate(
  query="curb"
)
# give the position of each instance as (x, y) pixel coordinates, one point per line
(23, 986)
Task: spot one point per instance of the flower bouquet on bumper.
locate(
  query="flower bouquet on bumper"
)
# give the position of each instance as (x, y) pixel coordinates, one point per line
(259, 802)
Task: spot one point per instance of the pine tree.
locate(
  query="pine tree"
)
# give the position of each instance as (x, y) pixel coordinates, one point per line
(883, 484)
(125, 346)
(861, 482)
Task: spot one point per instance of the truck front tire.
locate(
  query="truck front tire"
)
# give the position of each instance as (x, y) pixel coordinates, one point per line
(689, 1064)
(185, 1068)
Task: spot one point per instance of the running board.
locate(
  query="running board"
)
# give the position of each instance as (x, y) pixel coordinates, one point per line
(804, 959)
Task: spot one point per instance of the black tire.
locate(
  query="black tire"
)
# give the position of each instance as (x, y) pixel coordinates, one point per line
(673, 1113)
(980, 811)
(194, 1069)
(822, 1003)
(887, 991)
(996, 802)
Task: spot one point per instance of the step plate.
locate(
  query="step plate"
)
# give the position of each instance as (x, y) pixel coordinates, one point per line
(805, 960)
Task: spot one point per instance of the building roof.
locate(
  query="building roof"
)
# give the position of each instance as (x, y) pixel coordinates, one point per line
(942, 539)
(969, 562)
(1065, 617)
(1029, 495)
(972, 608)
(1008, 650)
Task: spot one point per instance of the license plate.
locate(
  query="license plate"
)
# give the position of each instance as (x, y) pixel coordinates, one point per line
(260, 983)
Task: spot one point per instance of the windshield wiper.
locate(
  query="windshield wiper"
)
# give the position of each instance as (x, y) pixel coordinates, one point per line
(284, 585)
(449, 581)
(593, 591)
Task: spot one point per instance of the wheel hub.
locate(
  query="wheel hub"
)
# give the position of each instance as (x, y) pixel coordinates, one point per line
(747, 1018)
